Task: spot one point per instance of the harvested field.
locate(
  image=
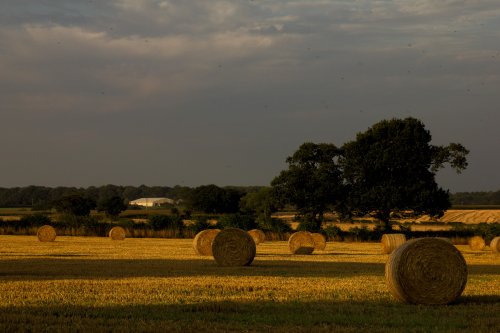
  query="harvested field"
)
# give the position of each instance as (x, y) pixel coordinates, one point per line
(92, 284)
(470, 216)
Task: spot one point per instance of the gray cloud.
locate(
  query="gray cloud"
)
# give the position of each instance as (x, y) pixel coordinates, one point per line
(196, 92)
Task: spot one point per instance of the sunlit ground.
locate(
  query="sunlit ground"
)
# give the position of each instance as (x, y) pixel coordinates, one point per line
(95, 284)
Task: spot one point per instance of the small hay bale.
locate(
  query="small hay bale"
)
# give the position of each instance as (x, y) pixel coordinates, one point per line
(202, 242)
(319, 241)
(233, 247)
(477, 243)
(390, 242)
(258, 236)
(301, 242)
(117, 233)
(426, 271)
(46, 233)
(495, 244)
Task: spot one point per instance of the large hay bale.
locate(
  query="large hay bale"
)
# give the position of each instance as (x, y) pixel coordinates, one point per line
(202, 242)
(426, 271)
(233, 247)
(46, 233)
(319, 241)
(477, 243)
(391, 242)
(258, 236)
(495, 244)
(117, 233)
(301, 242)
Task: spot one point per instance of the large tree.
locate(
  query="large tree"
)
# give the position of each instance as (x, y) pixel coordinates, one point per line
(112, 206)
(312, 182)
(391, 167)
(214, 199)
(259, 203)
(75, 204)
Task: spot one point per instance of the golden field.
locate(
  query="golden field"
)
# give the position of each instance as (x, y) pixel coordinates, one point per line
(95, 284)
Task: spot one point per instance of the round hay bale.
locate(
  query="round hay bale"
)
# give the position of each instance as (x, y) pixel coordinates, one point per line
(46, 233)
(301, 242)
(477, 243)
(202, 242)
(233, 247)
(426, 271)
(390, 242)
(445, 239)
(258, 236)
(495, 244)
(319, 241)
(117, 233)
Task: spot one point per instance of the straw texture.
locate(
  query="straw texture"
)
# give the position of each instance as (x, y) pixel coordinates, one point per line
(495, 244)
(390, 242)
(477, 243)
(301, 242)
(202, 242)
(233, 247)
(117, 233)
(46, 233)
(258, 236)
(319, 241)
(426, 271)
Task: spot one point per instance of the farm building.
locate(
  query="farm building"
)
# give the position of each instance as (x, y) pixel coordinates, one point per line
(152, 202)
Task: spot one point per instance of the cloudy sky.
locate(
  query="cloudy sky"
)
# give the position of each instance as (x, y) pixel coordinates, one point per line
(132, 92)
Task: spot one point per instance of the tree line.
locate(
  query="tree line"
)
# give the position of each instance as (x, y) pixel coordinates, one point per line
(388, 169)
(42, 197)
(476, 198)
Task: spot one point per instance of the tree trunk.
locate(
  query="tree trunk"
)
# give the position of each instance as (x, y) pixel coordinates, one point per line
(385, 219)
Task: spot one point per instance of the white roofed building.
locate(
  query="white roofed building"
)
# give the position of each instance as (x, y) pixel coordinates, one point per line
(152, 202)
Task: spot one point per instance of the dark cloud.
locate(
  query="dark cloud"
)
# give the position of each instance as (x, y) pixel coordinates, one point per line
(160, 92)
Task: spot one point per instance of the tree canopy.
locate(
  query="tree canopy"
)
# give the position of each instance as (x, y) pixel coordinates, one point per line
(214, 199)
(260, 203)
(112, 206)
(75, 204)
(312, 182)
(391, 167)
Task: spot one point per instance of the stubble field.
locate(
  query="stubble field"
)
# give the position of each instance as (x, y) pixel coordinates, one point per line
(95, 284)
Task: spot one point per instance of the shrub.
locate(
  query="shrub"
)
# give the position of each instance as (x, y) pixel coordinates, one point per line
(112, 206)
(245, 222)
(273, 225)
(70, 220)
(174, 211)
(201, 223)
(187, 214)
(74, 204)
(35, 220)
(405, 227)
(307, 225)
(362, 233)
(125, 223)
(487, 230)
(333, 232)
(159, 222)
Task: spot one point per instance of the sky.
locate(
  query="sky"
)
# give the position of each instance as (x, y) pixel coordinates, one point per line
(131, 92)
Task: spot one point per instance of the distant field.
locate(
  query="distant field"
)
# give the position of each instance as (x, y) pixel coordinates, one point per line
(95, 284)
(471, 216)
